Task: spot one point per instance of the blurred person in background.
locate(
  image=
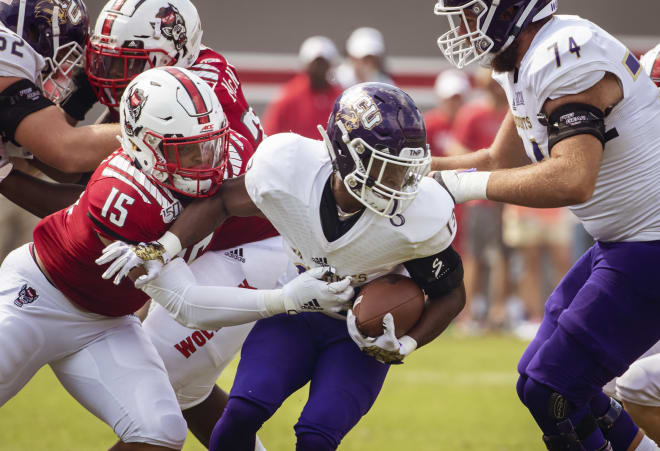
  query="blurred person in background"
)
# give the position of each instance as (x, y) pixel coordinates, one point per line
(365, 48)
(542, 236)
(451, 88)
(485, 257)
(306, 100)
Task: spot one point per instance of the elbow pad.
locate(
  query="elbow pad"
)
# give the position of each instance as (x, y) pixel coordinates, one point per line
(18, 101)
(575, 119)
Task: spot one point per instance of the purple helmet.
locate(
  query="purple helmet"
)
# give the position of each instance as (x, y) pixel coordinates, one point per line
(60, 41)
(486, 27)
(376, 138)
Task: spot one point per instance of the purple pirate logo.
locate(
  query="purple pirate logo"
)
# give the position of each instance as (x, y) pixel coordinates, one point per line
(173, 27)
(26, 295)
(67, 11)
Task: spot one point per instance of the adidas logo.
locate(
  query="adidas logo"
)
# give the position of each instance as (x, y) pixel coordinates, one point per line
(236, 254)
(312, 305)
(321, 261)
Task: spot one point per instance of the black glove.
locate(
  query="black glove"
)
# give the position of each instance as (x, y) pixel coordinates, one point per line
(82, 97)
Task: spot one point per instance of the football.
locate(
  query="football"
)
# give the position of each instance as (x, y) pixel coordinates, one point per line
(392, 293)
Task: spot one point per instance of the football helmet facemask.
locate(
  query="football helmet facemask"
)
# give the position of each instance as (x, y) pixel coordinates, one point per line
(131, 36)
(60, 42)
(174, 127)
(376, 138)
(480, 29)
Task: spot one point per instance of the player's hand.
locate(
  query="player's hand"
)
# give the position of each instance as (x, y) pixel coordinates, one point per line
(309, 292)
(125, 257)
(386, 348)
(5, 164)
(174, 277)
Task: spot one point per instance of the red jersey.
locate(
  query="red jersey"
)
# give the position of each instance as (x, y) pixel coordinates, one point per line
(300, 109)
(438, 131)
(213, 68)
(121, 203)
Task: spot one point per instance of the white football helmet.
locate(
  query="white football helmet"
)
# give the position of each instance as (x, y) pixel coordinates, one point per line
(651, 63)
(131, 36)
(173, 126)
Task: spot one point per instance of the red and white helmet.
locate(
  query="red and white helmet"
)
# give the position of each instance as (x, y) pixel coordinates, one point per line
(173, 126)
(131, 36)
(651, 63)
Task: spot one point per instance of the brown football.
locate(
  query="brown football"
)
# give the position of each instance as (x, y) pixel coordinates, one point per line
(393, 293)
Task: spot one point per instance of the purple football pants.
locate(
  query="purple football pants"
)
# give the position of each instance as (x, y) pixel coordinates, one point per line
(601, 317)
(282, 354)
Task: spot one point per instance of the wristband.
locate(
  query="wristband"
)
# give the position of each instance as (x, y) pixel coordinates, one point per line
(273, 301)
(170, 243)
(408, 345)
(472, 185)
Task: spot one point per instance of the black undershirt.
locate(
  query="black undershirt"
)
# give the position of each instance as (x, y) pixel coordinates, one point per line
(333, 227)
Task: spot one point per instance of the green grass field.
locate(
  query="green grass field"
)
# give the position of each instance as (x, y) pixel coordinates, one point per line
(454, 394)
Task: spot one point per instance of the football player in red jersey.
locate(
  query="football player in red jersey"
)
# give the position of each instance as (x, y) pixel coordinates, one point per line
(54, 301)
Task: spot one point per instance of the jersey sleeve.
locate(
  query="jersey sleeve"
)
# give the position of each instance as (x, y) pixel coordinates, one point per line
(119, 211)
(572, 60)
(18, 58)
(273, 165)
(240, 151)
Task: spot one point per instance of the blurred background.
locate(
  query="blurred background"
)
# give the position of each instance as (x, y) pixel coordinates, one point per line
(293, 57)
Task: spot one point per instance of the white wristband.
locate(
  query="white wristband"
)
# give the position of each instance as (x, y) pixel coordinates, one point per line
(171, 244)
(408, 344)
(273, 301)
(472, 185)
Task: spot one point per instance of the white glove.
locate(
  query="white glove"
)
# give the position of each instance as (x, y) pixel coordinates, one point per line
(310, 293)
(386, 348)
(463, 185)
(5, 164)
(152, 256)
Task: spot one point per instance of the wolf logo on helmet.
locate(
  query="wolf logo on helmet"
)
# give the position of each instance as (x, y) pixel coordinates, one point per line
(136, 101)
(173, 27)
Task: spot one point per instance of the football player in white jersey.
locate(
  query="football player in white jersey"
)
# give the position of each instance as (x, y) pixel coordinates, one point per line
(582, 132)
(37, 60)
(357, 201)
(639, 387)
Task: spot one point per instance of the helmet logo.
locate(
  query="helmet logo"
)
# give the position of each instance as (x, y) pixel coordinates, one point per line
(173, 27)
(135, 102)
(360, 110)
(68, 11)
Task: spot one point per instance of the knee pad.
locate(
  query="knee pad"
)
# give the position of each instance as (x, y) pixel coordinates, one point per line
(168, 430)
(314, 442)
(564, 425)
(245, 415)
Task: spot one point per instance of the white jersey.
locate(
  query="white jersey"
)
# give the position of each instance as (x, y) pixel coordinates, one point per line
(18, 59)
(568, 56)
(287, 179)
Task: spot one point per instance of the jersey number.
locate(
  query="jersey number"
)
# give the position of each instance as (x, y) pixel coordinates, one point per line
(14, 46)
(118, 207)
(573, 47)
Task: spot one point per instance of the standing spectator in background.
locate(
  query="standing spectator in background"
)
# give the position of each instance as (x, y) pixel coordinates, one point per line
(485, 258)
(307, 99)
(451, 88)
(366, 59)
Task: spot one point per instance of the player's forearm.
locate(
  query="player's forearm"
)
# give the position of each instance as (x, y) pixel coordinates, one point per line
(89, 145)
(480, 159)
(37, 196)
(438, 314)
(203, 307)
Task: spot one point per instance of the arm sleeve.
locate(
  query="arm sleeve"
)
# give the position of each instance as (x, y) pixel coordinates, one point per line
(204, 307)
(437, 274)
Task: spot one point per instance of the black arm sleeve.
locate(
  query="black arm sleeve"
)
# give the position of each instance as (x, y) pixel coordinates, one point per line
(81, 99)
(18, 101)
(437, 274)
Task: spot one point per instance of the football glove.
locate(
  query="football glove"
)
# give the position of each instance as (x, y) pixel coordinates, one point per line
(126, 257)
(386, 348)
(310, 292)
